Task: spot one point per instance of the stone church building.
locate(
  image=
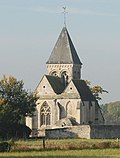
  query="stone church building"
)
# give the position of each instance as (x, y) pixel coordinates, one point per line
(65, 100)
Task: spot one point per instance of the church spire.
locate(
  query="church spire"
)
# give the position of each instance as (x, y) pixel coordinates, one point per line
(64, 51)
(64, 61)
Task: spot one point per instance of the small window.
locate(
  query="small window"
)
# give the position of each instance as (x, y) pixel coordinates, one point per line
(43, 86)
(71, 88)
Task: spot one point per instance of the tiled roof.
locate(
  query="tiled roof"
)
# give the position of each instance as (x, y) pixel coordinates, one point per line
(56, 84)
(84, 90)
(64, 51)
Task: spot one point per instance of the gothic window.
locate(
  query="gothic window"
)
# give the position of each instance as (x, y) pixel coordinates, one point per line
(45, 114)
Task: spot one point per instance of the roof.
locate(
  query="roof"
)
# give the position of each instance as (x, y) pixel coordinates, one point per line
(84, 90)
(64, 51)
(56, 84)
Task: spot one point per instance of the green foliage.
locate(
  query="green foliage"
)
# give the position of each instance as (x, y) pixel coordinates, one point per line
(15, 102)
(16, 131)
(4, 146)
(111, 113)
(96, 90)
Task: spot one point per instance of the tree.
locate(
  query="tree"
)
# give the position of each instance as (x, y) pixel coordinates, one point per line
(96, 90)
(111, 112)
(15, 102)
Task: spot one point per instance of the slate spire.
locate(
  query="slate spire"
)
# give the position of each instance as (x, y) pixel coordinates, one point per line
(64, 51)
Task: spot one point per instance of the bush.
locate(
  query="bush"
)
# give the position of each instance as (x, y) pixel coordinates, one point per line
(4, 146)
(16, 131)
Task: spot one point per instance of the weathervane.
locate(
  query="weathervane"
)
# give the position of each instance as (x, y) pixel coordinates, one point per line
(64, 12)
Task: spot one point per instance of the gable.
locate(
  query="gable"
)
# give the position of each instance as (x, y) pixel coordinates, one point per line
(44, 87)
(71, 90)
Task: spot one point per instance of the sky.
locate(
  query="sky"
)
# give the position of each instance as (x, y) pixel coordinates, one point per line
(29, 30)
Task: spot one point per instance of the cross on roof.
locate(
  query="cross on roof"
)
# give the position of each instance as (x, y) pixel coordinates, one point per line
(64, 12)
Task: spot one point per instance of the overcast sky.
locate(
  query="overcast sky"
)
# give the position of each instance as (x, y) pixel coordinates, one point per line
(30, 28)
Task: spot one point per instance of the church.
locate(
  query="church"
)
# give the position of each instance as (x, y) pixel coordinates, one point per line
(64, 99)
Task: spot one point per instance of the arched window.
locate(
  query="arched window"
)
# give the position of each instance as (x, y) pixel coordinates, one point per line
(64, 76)
(69, 111)
(45, 114)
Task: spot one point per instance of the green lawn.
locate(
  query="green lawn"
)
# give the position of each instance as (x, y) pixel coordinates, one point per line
(109, 153)
(68, 148)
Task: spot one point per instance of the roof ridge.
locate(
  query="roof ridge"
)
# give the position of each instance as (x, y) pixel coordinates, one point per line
(74, 56)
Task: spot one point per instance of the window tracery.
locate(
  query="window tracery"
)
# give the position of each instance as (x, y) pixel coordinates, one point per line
(45, 114)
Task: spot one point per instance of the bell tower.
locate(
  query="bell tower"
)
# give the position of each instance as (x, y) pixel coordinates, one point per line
(64, 61)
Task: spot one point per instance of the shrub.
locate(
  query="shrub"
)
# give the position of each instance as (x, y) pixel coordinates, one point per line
(101, 145)
(4, 146)
(17, 131)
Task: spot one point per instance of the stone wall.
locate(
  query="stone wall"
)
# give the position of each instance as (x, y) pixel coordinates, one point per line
(82, 131)
(85, 131)
(105, 131)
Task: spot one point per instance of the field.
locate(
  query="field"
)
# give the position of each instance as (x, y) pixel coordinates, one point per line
(69, 148)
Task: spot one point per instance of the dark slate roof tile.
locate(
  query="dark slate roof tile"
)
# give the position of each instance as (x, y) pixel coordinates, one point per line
(64, 51)
(84, 90)
(56, 84)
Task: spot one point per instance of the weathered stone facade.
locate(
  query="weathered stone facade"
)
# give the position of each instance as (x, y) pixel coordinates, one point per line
(64, 99)
(80, 131)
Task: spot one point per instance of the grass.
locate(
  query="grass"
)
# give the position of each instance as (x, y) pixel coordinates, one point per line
(109, 153)
(68, 148)
(66, 144)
